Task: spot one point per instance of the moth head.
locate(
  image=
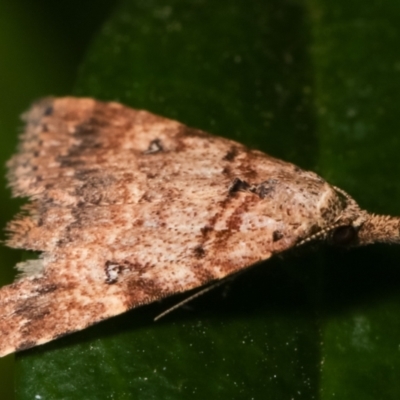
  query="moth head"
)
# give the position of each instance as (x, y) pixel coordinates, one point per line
(371, 228)
(365, 228)
(356, 227)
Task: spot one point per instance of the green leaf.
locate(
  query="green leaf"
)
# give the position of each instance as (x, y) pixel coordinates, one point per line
(311, 82)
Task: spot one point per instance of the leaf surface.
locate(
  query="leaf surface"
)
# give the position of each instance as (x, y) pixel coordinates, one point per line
(310, 82)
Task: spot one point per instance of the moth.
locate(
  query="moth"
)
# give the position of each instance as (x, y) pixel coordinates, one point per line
(127, 207)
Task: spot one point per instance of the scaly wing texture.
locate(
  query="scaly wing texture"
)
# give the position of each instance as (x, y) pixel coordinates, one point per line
(129, 207)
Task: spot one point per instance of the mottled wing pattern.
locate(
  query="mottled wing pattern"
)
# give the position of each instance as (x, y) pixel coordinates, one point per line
(128, 207)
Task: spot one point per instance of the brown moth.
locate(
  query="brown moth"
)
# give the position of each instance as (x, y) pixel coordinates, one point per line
(128, 207)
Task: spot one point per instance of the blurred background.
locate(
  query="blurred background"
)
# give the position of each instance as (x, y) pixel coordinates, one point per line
(332, 94)
(41, 45)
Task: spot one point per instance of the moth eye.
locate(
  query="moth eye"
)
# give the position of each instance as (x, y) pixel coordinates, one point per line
(344, 235)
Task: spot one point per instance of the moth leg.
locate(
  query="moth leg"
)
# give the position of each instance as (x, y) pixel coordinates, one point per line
(206, 289)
